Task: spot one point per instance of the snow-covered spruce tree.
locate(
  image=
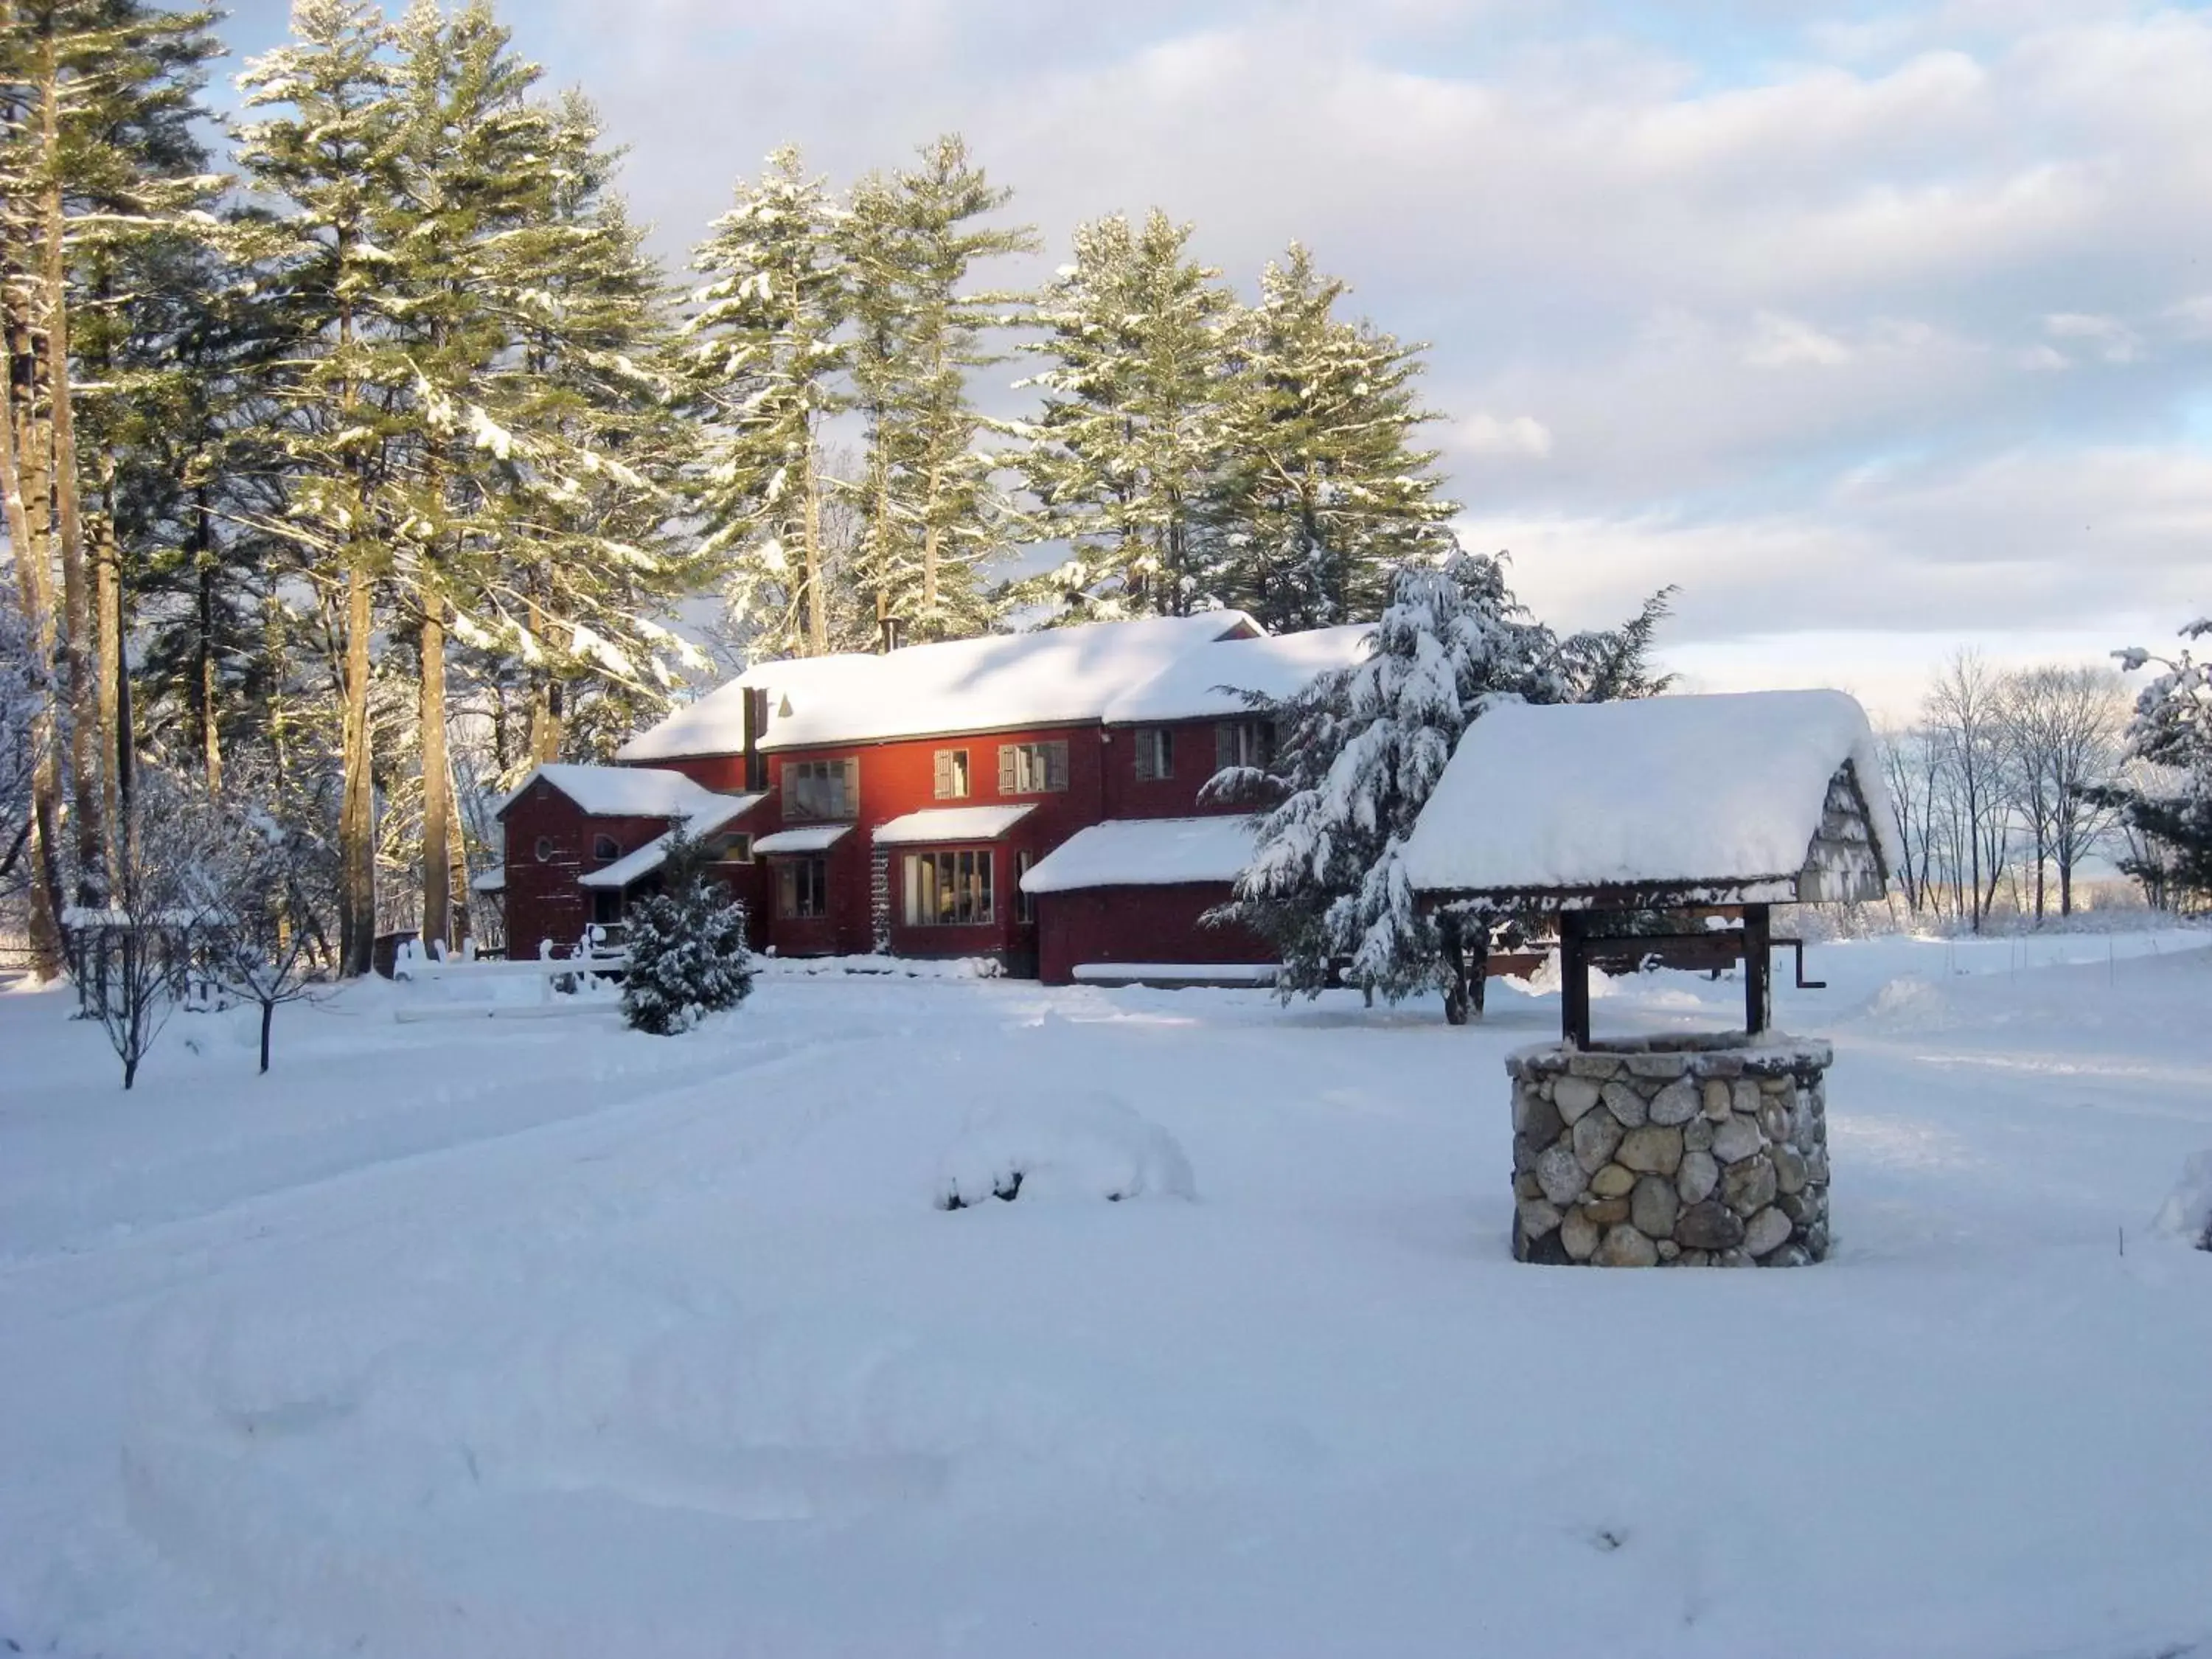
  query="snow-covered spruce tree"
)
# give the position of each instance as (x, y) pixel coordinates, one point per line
(2167, 808)
(934, 514)
(686, 946)
(1128, 449)
(764, 360)
(1327, 493)
(1359, 752)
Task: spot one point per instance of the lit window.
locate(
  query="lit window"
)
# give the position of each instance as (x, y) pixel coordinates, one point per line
(948, 890)
(952, 774)
(731, 848)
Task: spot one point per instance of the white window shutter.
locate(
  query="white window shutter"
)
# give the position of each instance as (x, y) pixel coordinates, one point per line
(944, 773)
(1006, 784)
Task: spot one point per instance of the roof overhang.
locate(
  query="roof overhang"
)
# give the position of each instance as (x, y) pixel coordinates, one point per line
(810, 838)
(937, 825)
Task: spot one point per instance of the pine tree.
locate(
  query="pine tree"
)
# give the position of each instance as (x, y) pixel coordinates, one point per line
(591, 560)
(934, 516)
(1129, 448)
(1327, 493)
(332, 168)
(766, 353)
(1361, 750)
(2169, 811)
(685, 947)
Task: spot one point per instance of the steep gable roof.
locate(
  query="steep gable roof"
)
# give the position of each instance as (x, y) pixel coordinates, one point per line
(1725, 794)
(621, 792)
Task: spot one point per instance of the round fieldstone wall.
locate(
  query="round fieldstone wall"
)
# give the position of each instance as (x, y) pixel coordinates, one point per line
(1676, 1150)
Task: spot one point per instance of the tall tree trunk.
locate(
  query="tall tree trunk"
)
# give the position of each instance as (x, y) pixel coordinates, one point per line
(545, 709)
(933, 536)
(437, 801)
(357, 808)
(817, 609)
(209, 690)
(34, 586)
(108, 598)
(80, 685)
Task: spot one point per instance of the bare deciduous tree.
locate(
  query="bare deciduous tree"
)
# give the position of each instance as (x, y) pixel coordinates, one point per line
(2061, 730)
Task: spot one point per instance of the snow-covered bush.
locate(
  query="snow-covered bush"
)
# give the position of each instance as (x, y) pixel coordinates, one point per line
(686, 947)
(1083, 1144)
(2187, 1215)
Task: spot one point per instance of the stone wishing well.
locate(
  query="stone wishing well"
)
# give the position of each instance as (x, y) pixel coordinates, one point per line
(1664, 830)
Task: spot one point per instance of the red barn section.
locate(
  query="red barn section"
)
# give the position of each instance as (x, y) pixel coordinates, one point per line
(894, 803)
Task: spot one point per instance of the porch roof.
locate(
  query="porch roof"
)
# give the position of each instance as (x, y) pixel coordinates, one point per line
(704, 821)
(944, 823)
(808, 838)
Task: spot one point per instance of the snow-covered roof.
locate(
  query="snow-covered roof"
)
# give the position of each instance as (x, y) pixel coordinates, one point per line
(941, 824)
(635, 866)
(1144, 852)
(493, 880)
(1206, 684)
(1057, 676)
(1724, 792)
(621, 792)
(812, 838)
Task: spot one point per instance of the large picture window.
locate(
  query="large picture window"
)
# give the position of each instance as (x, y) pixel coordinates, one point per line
(948, 890)
(952, 775)
(1032, 768)
(802, 888)
(822, 789)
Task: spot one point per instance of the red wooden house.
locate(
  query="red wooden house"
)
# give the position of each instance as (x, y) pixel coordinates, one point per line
(1031, 797)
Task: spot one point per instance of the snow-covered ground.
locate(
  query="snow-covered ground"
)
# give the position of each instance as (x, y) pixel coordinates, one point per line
(537, 1337)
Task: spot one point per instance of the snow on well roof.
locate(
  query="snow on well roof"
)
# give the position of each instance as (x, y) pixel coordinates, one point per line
(1054, 676)
(622, 792)
(814, 838)
(1725, 792)
(703, 821)
(1205, 682)
(1144, 852)
(938, 823)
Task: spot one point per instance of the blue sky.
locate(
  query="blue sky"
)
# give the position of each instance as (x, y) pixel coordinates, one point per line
(1879, 330)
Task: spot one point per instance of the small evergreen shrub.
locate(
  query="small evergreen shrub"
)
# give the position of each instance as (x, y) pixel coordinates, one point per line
(687, 948)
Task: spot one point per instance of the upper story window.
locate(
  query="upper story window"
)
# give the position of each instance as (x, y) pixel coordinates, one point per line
(1155, 753)
(952, 774)
(545, 849)
(1243, 743)
(822, 789)
(1032, 768)
(606, 849)
(734, 848)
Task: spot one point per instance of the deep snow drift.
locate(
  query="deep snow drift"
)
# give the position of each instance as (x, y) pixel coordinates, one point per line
(466, 1336)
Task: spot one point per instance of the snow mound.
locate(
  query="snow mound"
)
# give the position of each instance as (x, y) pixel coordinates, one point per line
(2187, 1215)
(1085, 1146)
(1910, 1004)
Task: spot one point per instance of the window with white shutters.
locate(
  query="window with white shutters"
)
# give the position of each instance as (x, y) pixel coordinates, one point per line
(1032, 768)
(822, 789)
(1155, 753)
(951, 770)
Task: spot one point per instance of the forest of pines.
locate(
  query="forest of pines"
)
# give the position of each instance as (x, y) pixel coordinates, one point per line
(359, 455)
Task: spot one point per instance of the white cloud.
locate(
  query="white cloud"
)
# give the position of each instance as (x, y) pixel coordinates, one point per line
(1778, 341)
(2110, 339)
(1493, 435)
